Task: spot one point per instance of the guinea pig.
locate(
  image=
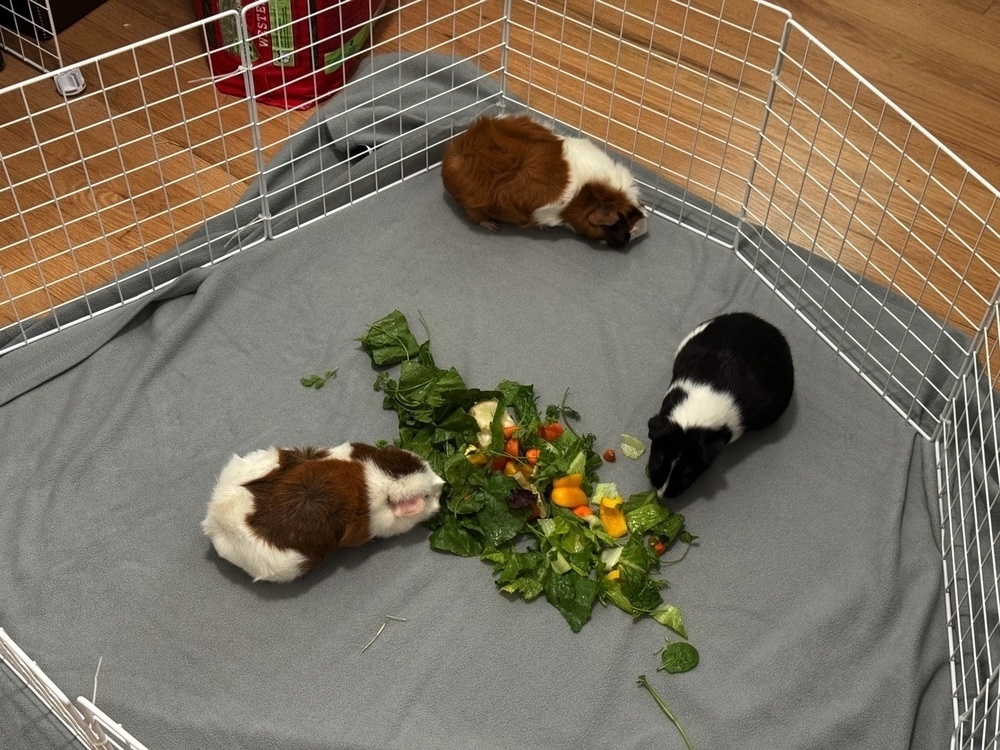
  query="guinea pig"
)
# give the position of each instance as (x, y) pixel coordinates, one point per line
(731, 374)
(513, 169)
(278, 512)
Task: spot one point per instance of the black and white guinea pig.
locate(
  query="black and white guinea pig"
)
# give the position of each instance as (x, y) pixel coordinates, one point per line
(278, 512)
(513, 169)
(732, 373)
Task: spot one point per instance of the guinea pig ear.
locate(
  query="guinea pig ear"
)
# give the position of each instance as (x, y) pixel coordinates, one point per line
(603, 216)
(658, 426)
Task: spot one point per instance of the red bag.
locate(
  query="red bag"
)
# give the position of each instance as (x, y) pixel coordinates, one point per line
(297, 48)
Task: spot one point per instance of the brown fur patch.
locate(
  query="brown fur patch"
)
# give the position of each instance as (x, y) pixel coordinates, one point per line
(309, 453)
(504, 168)
(311, 504)
(391, 460)
(597, 200)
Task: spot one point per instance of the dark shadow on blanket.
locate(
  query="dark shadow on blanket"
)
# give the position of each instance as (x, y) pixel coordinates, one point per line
(342, 559)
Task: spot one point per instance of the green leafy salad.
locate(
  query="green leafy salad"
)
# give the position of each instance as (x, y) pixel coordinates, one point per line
(522, 488)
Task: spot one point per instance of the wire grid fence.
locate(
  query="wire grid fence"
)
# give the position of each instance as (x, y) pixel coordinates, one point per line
(969, 478)
(743, 127)
(26, 32)
(99, 192)
(87, 723)
(851, 186)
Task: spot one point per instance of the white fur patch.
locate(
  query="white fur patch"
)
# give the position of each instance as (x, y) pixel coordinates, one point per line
(587, 163)
(691, 335)
(706, 407)
(226, 525)
(342, 452)
(383, 489)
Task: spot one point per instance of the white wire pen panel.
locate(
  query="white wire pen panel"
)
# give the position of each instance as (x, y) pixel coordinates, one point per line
(849, 186)
(678, 88)
(98, 194)
(752, 118)
(97, 185)
(969, 478)
(26, 32)
(88, 724)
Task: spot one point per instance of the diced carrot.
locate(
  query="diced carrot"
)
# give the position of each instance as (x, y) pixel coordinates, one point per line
(583, 511)
(532, 455)
(508, 432)
(550, 431)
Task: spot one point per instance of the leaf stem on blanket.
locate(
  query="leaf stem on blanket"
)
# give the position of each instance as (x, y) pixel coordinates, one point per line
(384, 623)
(93, 698)
(687, 548)
(663, 707)
(318, 381)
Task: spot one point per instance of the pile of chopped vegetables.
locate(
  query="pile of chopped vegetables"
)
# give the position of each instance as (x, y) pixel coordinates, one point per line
(515, 474)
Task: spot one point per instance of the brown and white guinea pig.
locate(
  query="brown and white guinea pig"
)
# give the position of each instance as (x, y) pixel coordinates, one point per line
(513, 169)
(278, 512)
(731, 374)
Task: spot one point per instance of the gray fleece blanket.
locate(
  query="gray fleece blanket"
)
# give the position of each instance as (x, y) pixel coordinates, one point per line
(814, 592)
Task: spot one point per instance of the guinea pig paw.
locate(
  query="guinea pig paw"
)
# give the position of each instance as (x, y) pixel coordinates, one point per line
(408, 506)
(490, 226)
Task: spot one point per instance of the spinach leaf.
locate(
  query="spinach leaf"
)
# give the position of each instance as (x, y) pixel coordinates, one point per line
(318, 381)
(611, 591)
(389, 340)
(499, 524)
(453, 537)
(637, 555)
(573, 595)
(640, 589)
(678, 657)
(645, 517)
(522, 573)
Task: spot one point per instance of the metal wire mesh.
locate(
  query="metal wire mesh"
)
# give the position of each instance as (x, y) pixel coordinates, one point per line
(26, 32)
(88, 724)
(98, 193)
(744, 127)
(969, 478)
(843, 176)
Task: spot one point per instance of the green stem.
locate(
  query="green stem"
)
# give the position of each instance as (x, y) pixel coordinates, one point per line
(663, 707)
(674, 562)
(562, 414)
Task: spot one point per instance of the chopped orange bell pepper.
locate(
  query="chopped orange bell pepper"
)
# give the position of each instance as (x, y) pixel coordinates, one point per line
(569, 497)
(570, 480)
(612, 518)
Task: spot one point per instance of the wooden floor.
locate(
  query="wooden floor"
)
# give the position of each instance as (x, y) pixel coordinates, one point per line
(136, 163)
